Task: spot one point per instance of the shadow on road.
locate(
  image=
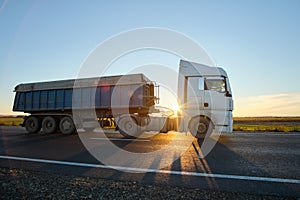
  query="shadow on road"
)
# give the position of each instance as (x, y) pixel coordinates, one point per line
(226, 158)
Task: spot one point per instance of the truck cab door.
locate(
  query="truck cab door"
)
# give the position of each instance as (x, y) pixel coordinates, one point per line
(207, 96)
(217, 99)
(195, 94)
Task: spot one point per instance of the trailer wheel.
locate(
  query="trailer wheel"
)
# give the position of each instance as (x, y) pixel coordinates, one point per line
(200, 126)
(128, 127)
(32, 124)
(66, 125)
(49, 125)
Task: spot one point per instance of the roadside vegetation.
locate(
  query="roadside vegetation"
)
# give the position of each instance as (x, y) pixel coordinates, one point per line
(11, 120)
(266, 128)
(267, 124)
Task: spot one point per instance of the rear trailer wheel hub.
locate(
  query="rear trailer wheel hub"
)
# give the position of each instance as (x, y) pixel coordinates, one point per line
(49, 125)
(66, 125)
(32, 124)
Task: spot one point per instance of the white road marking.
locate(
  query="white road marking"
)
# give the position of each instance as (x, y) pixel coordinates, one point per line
(223, 176)
(119, 139)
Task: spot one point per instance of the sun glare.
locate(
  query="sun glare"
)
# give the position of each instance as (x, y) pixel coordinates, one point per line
(176, 108)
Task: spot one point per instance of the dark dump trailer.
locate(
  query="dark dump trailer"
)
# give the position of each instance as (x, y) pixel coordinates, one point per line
(51, 105)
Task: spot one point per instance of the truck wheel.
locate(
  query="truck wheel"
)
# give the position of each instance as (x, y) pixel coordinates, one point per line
(199, 126)
(49, 125)
(128, 127)
(32, 124)
(66, 125)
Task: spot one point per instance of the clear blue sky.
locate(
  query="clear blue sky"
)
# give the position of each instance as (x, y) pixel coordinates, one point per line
(256, 41)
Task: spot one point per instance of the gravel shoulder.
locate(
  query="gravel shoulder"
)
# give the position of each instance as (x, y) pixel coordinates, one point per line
(22, 184)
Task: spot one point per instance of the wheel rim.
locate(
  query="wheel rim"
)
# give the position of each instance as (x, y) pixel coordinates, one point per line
(49, 125)
(201, 128)
(32, 125)
(66, 125)
(128, 127)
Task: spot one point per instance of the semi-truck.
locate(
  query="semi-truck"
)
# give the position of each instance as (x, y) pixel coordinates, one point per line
(128, 103)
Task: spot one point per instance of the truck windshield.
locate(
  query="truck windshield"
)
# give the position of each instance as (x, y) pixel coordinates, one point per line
(215, 84)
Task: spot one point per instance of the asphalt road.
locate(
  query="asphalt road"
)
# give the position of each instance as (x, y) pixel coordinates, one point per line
(256, 163)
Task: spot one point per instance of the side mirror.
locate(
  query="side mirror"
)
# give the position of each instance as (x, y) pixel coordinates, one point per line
(227, 94)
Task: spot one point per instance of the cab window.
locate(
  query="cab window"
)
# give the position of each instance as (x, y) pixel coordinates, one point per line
(215, 84)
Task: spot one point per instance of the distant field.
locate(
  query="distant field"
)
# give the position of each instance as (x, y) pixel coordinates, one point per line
(11, 121)
(270, 124)
(266, 128)
(267, 119)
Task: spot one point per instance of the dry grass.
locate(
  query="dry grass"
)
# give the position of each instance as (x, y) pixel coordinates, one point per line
(270, 124)
(11, 121)
(271, 119)
(267, 128)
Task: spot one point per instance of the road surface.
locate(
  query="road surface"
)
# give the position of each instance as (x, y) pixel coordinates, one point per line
(256, 163)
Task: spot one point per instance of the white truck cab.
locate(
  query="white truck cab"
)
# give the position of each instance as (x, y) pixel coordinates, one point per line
(205, 99)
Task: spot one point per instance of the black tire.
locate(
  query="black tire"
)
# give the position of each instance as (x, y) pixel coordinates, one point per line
(32, 124)
(49, 125)
(128, 127)
(66, 125)
(199, 127)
